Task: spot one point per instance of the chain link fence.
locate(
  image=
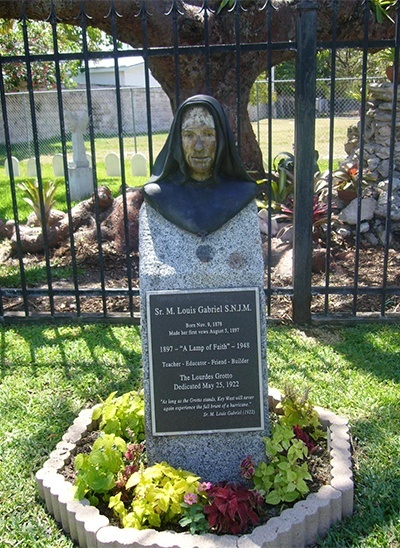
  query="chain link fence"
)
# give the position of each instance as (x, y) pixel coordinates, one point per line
(346, 101)
(104, 122)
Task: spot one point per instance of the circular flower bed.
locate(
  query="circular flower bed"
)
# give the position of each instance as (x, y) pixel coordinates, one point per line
(300, 525)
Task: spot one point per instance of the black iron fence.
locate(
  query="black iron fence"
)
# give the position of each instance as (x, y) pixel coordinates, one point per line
(344, 271)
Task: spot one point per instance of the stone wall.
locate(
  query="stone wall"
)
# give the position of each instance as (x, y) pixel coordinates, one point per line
(133, 107)
(104, 104)
(377, 133)
(377, 136)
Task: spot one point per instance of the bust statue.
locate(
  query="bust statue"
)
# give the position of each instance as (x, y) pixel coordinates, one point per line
(198, 181)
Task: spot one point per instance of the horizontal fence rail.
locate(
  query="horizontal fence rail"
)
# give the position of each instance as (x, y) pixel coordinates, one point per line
(91, 273)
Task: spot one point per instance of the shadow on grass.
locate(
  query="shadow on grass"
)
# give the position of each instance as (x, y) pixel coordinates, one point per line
(42, 395)
(81, 351)
(374, 349)
(354, 371)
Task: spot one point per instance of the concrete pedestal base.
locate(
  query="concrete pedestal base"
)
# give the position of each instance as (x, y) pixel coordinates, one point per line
(80, 181)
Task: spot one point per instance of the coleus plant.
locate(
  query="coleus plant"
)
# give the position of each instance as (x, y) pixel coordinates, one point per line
(294, 437)
(233, 508)
(158, 494)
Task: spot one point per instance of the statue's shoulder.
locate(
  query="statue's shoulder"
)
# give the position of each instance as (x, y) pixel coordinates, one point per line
(151, 189)
(158, 188)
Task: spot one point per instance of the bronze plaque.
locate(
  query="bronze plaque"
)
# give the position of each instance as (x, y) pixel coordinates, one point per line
(205, 361)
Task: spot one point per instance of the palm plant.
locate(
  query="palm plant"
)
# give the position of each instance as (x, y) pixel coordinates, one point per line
(34, 196)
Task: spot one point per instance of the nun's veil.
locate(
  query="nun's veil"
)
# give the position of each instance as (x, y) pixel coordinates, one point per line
(171, 164)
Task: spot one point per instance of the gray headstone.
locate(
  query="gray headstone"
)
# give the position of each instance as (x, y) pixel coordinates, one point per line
(15, 166)
(173, 259)
(113, 165)
(31, 167)
(139, 165)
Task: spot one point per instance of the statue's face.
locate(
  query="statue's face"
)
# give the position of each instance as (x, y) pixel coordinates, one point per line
(199, 142)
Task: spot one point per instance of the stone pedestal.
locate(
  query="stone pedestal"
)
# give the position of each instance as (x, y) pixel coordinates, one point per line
(173, 259)
(80, 181)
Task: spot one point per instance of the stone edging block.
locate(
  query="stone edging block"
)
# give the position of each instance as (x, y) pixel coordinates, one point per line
(299, 526)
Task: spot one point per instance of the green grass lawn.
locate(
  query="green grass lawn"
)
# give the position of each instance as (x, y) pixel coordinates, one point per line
(49, 373)
(283, 138)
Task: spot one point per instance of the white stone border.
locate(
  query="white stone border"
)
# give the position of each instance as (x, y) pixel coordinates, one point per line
(299, 526)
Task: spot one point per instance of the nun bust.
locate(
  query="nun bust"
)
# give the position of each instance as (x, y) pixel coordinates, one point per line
(198, 181)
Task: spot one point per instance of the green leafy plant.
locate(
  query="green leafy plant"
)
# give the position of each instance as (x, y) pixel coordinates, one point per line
(160, 496)
(283, 478)
(229, 4)
(233, 508)
(98, 470)
(381, 8)
(34, 195)
(388, 55)
(299, 411)
(293, 438)
(281, 185)
(159, 492)
(122, 416)
(112, 461)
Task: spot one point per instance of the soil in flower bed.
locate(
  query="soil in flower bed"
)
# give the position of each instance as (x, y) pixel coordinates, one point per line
(319, 467)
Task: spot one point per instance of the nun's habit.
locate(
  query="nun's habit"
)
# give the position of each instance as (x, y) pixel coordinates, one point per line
(200, 207)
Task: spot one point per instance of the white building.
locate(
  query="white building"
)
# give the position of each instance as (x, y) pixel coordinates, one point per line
(131, 73)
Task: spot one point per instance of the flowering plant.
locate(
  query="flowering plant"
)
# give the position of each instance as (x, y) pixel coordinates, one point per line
(193, 516)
